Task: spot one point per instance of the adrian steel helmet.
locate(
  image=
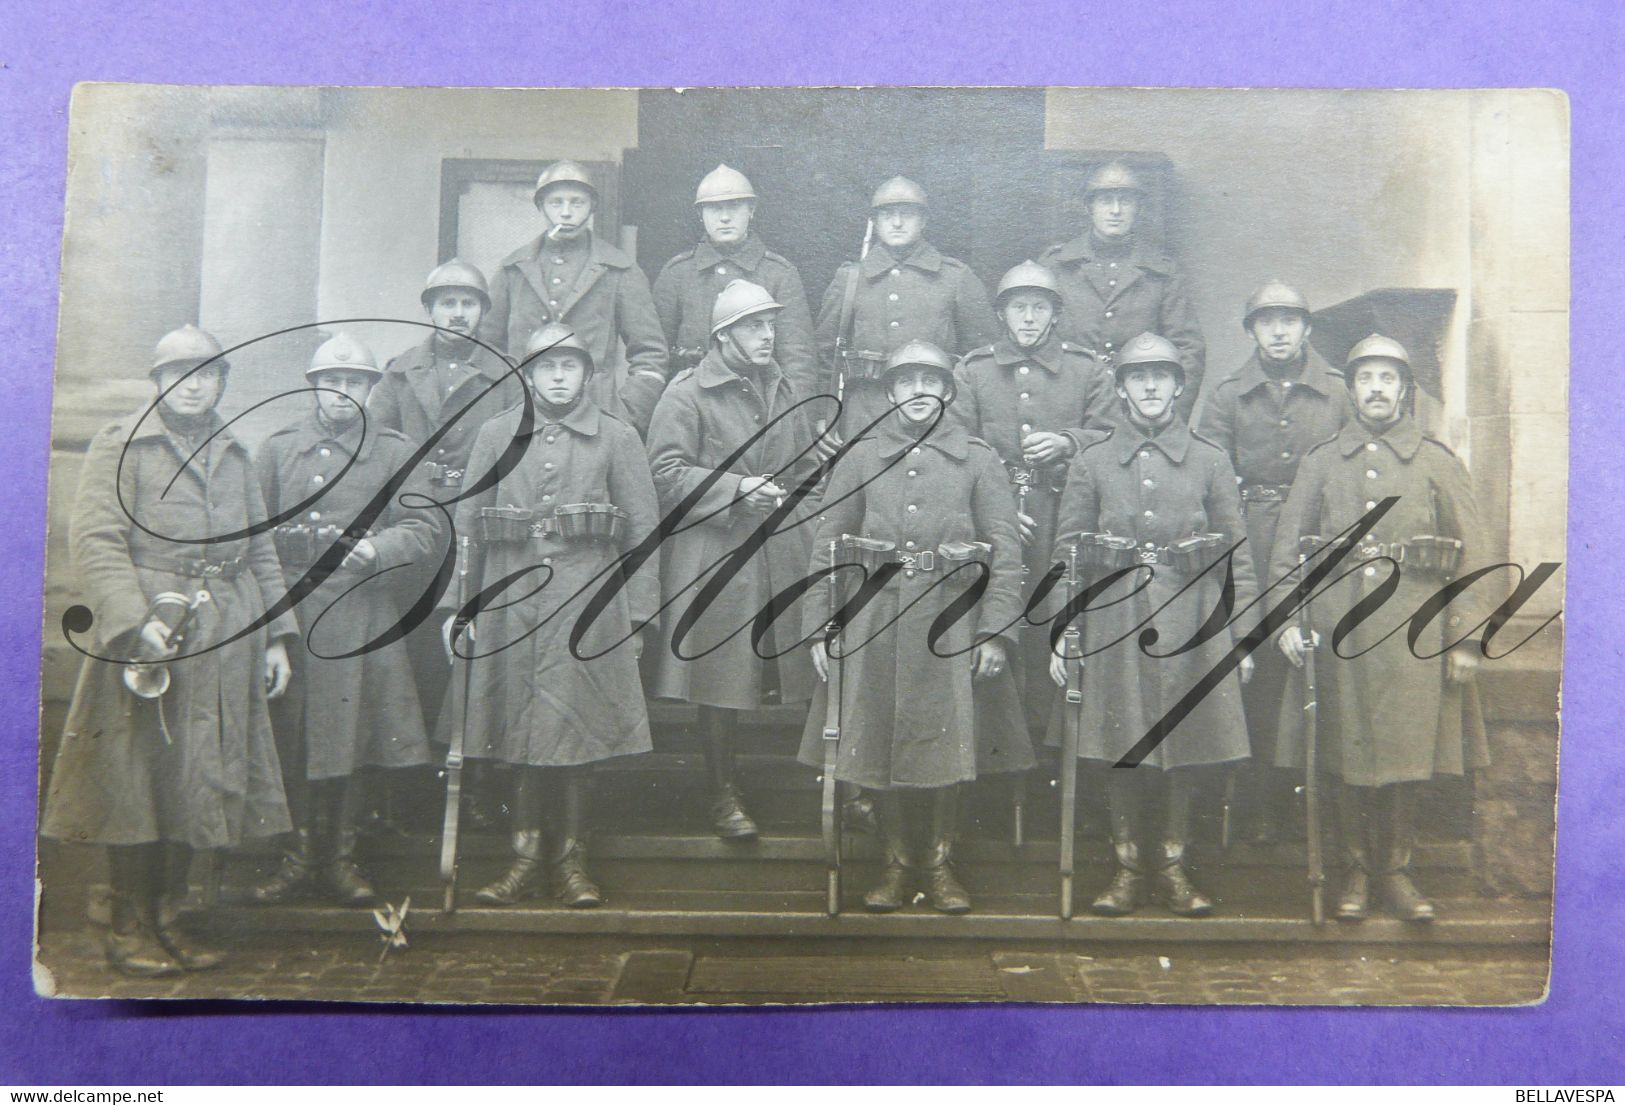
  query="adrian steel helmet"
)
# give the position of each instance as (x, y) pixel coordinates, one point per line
(899, 189)
(456, 274)
(1027, 275)
(1377, 347)
(723, 184)
(563, 172)
(343, 351)
(1146, 349)
(557, 337)
(920, 354)
(1273, 293)
(1114, 176)
(189, 346)
(740, 299)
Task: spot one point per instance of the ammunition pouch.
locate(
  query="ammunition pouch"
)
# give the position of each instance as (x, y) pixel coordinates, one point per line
(583, 522)
(300, 546)
(859, 364)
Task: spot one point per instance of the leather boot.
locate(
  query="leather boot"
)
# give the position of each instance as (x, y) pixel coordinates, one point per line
(519, 881)
(132, 943)
(892, 892)
(858, 813)
(342, 877)
(1174, 885)
(1398, 891)
(294, 874)
(571, 884)
(1126, 891)
(176, 863)
(729, 818)
(944, 890)
(1355, 898)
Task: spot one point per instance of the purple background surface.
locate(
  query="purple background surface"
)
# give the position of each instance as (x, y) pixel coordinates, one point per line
(1577, 1036)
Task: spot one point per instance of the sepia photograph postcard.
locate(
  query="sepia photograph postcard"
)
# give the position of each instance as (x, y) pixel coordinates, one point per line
(789, 546)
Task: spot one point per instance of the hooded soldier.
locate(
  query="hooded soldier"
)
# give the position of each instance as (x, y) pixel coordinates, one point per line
(734, 396)
(553, 527)
(183, 757)
(921, 713)
(900, 290)
(1393, 713)
(351, 706)
(571, 276)
(1030, 395)
(1116, 286)
(1157, 500)
(687, 287)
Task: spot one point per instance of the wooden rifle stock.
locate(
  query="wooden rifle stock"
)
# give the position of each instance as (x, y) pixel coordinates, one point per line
(459, 735)
(1072, 733)
(830, 808)
(1311, 765)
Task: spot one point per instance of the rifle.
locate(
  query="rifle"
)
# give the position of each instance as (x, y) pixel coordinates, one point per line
(831, 798)
(1307, 546)
(1072, 734)
(843, 322)
(459, 736)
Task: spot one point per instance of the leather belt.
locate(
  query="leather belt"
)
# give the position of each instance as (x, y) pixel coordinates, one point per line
(1264, 493)
(194, 569)
(443, 475)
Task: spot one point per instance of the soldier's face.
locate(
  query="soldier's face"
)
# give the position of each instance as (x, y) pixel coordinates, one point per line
(921, 393)
(899, 225)
(1028, 317)
(752, 338)
(567, 207)
(1379, 388)
(456, 309)
(1113, 211)
(1280, 333)
(1150, 389)
(558, 376)
(197, 393)
(343, 392)
(727, 223)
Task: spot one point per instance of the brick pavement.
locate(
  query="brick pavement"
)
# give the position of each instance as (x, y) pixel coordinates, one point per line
(522, 970)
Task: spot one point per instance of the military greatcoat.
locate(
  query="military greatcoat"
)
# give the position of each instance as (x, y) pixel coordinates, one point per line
(1005, 393)
(531, 700)
(1386, 716)
(353, 711)
(704, 418)
(686, 290)
(1112, 296)
(600, 293)
(1158, 490)
(215, 778)
(924, 296)
(1267, 425)
(912, 716)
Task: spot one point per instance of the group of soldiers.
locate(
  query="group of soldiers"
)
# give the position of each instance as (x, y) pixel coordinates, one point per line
(579, 491)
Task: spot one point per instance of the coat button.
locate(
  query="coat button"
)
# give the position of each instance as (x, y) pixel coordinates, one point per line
(1025, 396)
(892, 297)
(1024, 370)
(558, 260)
(1287, 384)
(722, 270)
(552, 303)
(324, 452)
(317, 480)
(1371, 446)
(1286, 454)
(1026, 427)
(1371, 504)
(1110, 346)
(914, 471)
(547, 465)
(547, 498)
(1371, 571)
(912, 509)
(1286, 421)
(558, 280)
(1111, 283)
(1148, 483)
(1370, 473)
(1150, 514)
(547, 561)
(909, 572)
(1145, 454)
(1113, 265)
(915, 451)
(897, 272)
(549, 440)
(315, 516)
(908, 544)
(894, 323)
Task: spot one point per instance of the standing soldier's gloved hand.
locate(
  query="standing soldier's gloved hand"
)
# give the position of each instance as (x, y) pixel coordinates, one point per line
(1057, 669)
(760, 492)
(361, 555)
(1028, 526)
(155, 641)
(277, 669)
(1291, 644)
(1461, 665)
(1042, 447)
(1245, 669)
(988, 659)
(820, 660)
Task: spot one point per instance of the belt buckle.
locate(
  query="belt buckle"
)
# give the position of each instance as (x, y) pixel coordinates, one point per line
(925, 561)
(209, 570)
(1148, 555)
(541, 528)
(1023, 477)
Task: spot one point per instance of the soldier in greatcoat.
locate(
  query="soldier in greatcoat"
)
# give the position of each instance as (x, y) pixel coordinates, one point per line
(422, 393)
(1267, 415)
(1030, 395)
(1116, 286)
(1393, 714)
(688, 286)
(919, 717)
(343, 713)
(901, 290)
(707, 415)
(570, 275)
(194, 766)
(1153, 486)
(578, 499)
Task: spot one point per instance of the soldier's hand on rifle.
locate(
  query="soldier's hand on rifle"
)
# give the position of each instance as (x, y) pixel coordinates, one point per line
(826, 443)
(1246, 669)
(447, 628)
(988, 659)
(820, 659)
(277, 669)
(361, 555)
(1291, 644)
(1028, 525)
(1057, 669)
(1461, 665)
(1043, 447)
(760, 492)
(155, 641)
